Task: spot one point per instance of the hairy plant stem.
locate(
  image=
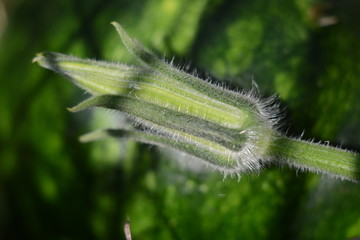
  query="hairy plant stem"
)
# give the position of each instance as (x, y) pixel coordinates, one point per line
(316, 158)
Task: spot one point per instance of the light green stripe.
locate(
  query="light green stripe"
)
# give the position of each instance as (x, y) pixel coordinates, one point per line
(167, 95)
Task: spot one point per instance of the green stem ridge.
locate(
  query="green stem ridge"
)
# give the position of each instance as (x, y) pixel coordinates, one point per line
(142, 111)
(213, 154)
(233, 132)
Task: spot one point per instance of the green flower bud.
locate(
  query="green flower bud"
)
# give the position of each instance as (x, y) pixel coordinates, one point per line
(232, 131)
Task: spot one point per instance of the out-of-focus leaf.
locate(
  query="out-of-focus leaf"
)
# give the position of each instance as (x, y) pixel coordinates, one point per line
(3, 19)
(53, 187)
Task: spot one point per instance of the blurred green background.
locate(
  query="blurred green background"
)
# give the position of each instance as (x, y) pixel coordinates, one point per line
(53, 187)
